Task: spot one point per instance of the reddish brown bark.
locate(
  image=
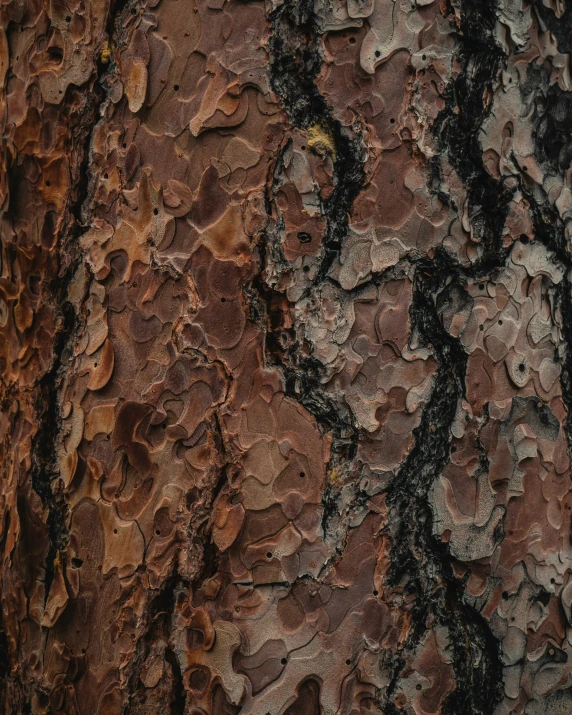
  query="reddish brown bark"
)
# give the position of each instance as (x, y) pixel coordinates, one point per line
(284, 321)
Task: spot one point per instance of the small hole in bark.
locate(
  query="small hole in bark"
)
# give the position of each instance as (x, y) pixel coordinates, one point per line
(284, 661)
(500, 322)
(156, 212)
(376, 592)
(223, 300)
(55, 54)
(304, 237)
(505, 595)
(48, 183)
(302, 474)
(348, 661)
(352, 40)
(106, 175)
(423, 57)
(306, 269)
(157, 532)
(418, 686)
(76, 563)
(176, 88)
(68, 18)
(303, 147)
(524, 238)
(198, 680)
(481, 286)
(525, 168)
(115, 531)
(392, 120)
(34, 283)
(269, 555)
(191, 497)
(481, 327)
(522, 367)
(133, 11)
(377, 53)
(552, 580)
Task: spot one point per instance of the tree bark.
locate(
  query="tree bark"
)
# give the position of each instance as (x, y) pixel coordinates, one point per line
(285, 327)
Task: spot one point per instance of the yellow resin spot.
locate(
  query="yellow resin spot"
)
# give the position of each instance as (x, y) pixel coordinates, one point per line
(105, 53)
(321, 140)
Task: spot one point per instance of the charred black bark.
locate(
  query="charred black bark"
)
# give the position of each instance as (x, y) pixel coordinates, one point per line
(458, 127)
(420, 565)
(295, 61)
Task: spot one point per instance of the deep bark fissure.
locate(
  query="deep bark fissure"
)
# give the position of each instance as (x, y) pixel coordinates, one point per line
(458, 126)
(418, 560)
(420, 564)
(553, 147)
(159, 615)
(295, 62)
(163, 605)
(386, 521)
(84, 106)
(415, 552)
(44, 467)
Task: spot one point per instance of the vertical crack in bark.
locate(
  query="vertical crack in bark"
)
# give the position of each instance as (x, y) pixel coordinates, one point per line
(458, 127)
(159, 614)
(418, 560)
(44, 458)
(550, 230)
(420, 565)
(163, 606)
(82, 108)
(295, 61)
(553, 148)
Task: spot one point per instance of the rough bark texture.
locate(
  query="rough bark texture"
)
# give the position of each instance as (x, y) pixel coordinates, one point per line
(285, 329)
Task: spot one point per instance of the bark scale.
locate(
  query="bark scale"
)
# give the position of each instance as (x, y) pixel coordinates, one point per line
(285, 316)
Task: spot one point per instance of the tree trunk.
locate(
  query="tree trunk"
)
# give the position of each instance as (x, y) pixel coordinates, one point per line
(285, 309)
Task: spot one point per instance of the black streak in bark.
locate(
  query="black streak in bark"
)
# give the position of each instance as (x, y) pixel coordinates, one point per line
(419, 563)
(458, 128)
(82, 107)
(295, 61)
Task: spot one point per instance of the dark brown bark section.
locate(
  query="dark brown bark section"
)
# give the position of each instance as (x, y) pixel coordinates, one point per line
(285, 372)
